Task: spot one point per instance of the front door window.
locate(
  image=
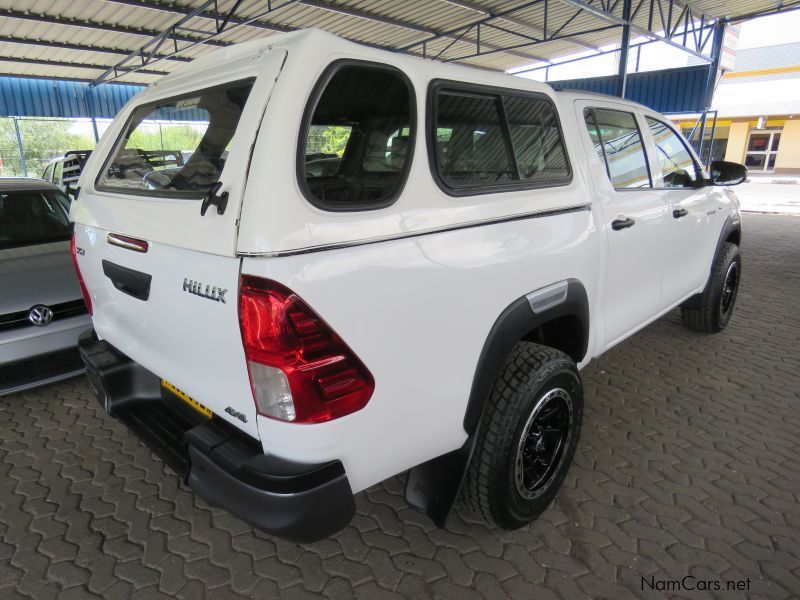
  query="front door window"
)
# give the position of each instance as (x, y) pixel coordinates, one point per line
(762, 148)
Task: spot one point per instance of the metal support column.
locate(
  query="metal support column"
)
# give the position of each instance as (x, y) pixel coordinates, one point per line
(21, 150)
(711, 141)
(94, 129)
(624, 46)
(701, 141)
(716, 51)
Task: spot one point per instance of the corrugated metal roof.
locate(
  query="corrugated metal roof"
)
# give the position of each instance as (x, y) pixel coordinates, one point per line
(668, 91)
(768, 57)
(22, 97)
(80, 38)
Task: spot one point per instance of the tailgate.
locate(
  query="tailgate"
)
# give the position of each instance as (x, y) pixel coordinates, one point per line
(173, 307)
(174, 311)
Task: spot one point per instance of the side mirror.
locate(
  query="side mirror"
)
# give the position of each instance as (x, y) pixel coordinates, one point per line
(727, 173)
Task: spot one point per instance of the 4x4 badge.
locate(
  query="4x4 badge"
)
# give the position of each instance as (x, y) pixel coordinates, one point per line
(204, 290)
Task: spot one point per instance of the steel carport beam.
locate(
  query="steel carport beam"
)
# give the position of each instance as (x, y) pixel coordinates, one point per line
(466, 4)
(370, 16)
(612, 18)
(88, 24)
(321, 5)
(5, 39)
(71, 65)
(180, 9)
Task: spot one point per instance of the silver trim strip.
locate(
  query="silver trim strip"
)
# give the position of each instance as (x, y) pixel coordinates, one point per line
(114, 240)
(401, 236)
(548, 297)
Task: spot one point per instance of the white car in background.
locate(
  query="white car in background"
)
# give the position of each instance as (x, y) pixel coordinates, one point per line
(42, 311)
(64, 171)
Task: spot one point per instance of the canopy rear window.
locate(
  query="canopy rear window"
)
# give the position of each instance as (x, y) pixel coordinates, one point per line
(176, 147)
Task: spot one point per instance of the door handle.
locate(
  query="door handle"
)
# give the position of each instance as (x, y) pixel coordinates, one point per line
(618, 224)
(679, 212)
(128, 281)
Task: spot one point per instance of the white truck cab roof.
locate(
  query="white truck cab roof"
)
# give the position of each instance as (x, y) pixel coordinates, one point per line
(260, 174)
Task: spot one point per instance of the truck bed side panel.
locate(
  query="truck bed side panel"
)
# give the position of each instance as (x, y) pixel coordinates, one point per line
(417, 312)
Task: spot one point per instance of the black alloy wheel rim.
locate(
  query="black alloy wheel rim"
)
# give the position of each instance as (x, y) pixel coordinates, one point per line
(543, 443)
(729, 289)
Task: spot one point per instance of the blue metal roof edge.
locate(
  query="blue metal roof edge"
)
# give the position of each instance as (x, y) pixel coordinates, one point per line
(667, 91)
(36, 97)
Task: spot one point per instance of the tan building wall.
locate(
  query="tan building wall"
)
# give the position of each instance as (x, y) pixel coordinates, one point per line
(788, 159)
(737, 141)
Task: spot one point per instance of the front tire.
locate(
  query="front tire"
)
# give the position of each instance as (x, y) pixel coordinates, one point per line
(527, 436)
(712, 311)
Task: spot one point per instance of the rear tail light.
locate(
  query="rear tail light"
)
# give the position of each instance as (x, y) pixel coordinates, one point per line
(73, 249)
(300, 369)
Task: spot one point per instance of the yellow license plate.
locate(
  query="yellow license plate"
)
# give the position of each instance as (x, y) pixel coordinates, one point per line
(187, 398)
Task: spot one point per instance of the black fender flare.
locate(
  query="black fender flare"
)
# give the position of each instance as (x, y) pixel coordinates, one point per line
(432, 487)
(733, 224)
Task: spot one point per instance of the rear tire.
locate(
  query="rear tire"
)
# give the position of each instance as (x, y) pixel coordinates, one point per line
(527, 436)
(712, 311)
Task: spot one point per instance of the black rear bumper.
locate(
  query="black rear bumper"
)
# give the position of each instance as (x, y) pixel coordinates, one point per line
(225, 466)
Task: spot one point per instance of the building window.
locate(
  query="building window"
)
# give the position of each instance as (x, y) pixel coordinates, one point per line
(762, 149)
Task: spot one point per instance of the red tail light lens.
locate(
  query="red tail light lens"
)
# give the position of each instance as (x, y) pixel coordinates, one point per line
(300, 369)
(86, 297)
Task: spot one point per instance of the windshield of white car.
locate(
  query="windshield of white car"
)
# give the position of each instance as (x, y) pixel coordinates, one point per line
(176, 147)
(33, 217)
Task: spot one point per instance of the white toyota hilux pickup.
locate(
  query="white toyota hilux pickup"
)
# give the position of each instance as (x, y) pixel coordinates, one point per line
(313, 265)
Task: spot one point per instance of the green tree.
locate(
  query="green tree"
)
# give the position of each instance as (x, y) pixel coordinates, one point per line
(167, 136)
(42, 139)
(328, 139)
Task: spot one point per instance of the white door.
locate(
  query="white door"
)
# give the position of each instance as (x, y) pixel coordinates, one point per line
(633, 216)
(679, 177)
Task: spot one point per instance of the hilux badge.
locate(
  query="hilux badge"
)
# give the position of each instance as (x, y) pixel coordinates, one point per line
(198, 288)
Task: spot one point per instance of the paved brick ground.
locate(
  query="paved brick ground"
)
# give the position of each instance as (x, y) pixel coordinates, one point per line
(688, 465)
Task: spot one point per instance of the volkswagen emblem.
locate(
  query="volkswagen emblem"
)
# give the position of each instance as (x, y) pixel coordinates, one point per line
(40, 315)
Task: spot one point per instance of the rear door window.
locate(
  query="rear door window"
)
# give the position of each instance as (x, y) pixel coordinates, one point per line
(176, 147)
(618, 143)
(357, 137)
